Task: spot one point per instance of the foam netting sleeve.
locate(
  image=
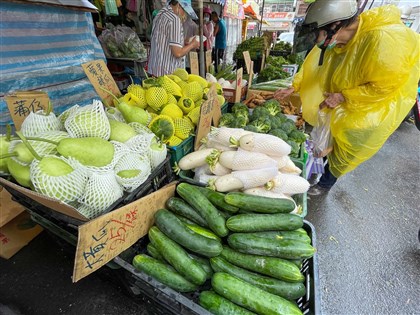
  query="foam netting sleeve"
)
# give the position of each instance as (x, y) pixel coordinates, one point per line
(140, 129)
(38, 122)
(101, 191)
(44, 148)
(64, 115)
(66, 188)
(88, 121)
(245, 160)
(255, 178)
(157, 156)
(132, 161)
(140, 143)
(114, 114)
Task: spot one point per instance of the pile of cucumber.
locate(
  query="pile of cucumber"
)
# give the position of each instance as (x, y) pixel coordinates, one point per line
(250, 248)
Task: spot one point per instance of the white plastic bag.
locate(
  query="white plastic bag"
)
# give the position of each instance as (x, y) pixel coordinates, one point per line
(321, 134)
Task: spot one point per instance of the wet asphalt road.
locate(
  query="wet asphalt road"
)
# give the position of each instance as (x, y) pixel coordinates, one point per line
(367, 233)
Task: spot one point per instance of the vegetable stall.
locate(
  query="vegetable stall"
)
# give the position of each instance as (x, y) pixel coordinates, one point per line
(213, 186)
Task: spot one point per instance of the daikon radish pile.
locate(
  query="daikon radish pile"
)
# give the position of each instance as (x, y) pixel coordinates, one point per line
(197, 159)
(223, 135)
(264, 143)
(288, 184)
(245, 160)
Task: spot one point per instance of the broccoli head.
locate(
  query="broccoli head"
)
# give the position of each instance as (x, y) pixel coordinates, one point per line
(262, 123)
(273, 106)
(243, 113)
(226, 120)
(295, 148)
(251, 128)
(288, 126)
(239, 107)
(282, 116)
(297, 136)
(259, 111)
(276, 122)
(279, 133)
(239, 122)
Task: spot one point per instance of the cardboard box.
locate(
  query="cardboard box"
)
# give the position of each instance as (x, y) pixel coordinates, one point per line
(16, 227)
(238, 94)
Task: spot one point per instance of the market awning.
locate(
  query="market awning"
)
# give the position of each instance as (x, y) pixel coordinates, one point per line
(82, 5)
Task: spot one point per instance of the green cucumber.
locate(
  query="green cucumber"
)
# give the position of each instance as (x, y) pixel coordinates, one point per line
(283, 235)
(203, 231)
(184, 219)
(259, 204)
(163, 273)
(155, 253)
(192, 195)
(218, 199)
(251, 297)
(180, 207)
(177, 257)
(288, 290)
(287, 249)
(177, 231)
(264, 222)
(218, 305)
(297, 262)
(270, 266)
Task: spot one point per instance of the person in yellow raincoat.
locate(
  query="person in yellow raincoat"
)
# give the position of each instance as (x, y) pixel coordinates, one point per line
(364, 69)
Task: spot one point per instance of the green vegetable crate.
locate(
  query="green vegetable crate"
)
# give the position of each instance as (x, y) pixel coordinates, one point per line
(161, 176)
(300, 199)
(162, 300)
(186, 146)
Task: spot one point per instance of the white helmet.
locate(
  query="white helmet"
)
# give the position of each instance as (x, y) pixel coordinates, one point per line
(323, 12)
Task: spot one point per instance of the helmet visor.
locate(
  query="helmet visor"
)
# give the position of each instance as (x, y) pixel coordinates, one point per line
(305, 37)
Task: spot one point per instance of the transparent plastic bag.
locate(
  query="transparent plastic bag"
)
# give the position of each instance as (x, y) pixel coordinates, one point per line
(321, 134)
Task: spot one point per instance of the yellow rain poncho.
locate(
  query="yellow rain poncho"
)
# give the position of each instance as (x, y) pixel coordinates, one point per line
(377, 71)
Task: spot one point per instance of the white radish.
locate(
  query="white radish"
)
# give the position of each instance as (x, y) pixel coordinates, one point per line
(286, 165)
(203, 169)
(195, 159)
(227, 183)
(224, 134)
(264, 143)
(246, 160)
(210, 142)
(205, 178)
(288, 184)
(219, 170)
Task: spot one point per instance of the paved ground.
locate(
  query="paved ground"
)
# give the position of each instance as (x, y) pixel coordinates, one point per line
(369, 255)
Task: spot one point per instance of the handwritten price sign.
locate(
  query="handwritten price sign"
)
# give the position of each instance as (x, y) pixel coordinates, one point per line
(208, 109)
(101, 78)
(104, 238)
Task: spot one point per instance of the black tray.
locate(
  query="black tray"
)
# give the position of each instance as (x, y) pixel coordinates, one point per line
(162, 300)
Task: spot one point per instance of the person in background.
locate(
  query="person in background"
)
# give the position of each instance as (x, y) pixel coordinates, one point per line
(220, 36)
(168, 47)
(363, 70)
(190, 30)
(208, 29)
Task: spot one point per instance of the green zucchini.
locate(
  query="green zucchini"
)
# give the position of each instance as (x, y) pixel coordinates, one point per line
(177, 257)
(180, 207)
(192, 195)
(249, 296)
(270, 266)
(287, 249)
(259, 204)
(203, 231)
(288, 290)
(155, 253)
(218, 305)
(163, 273)
(177, 231)
(264, 222)
(283, 235)
(218, 200)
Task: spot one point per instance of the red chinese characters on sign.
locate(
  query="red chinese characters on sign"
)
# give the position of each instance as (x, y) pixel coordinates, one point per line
(4, 239)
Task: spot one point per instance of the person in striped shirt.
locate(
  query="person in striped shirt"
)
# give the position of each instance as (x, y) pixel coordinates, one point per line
(168, 47)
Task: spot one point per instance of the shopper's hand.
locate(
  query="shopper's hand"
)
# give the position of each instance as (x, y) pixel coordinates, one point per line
(332, 100)
(281, 94)
(194, 43)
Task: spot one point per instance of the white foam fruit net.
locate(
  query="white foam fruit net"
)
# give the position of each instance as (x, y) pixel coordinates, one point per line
(255, 178)
(114, 114)
(157, 156)
(44, 148)
(101, 191)
(88, 121)
(38, 122)
(245, 160)
(66, 188)
(132, 162)
(140, 143)
(64, 115)
(140, 129)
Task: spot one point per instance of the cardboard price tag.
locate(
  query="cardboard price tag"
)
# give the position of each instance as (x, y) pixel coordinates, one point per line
(100, 77)
(22, 103)
(247, 59)
(206, 116)
(208, 60)
(194, 66)
(104, 238)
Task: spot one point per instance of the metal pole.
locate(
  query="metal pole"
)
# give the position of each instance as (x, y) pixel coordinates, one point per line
(261, 22)
(201, 58)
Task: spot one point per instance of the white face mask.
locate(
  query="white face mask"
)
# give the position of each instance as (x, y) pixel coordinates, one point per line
(206, 19)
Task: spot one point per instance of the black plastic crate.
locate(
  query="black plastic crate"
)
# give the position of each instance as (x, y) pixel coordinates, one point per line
(160, 177)
(162, 300)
